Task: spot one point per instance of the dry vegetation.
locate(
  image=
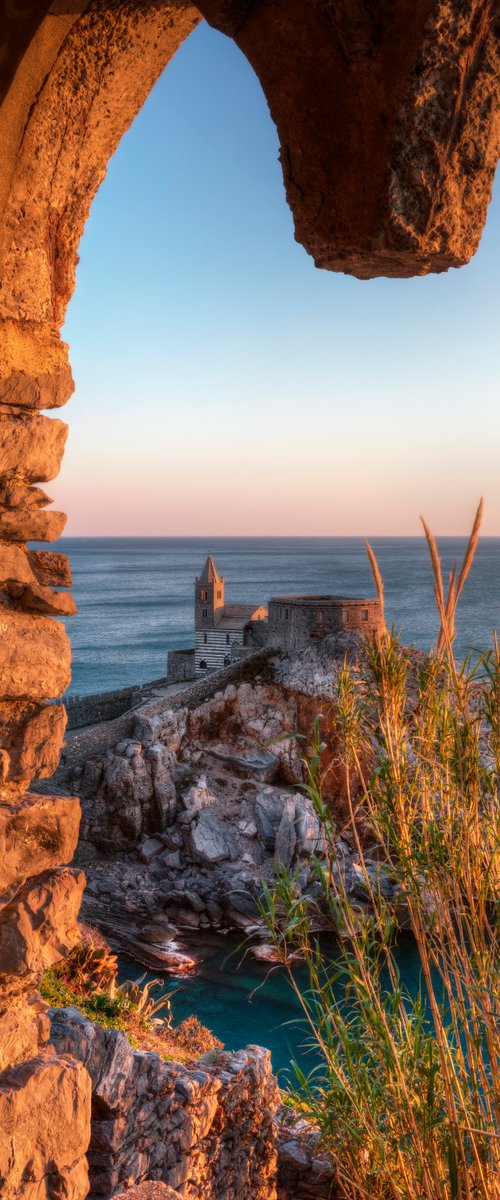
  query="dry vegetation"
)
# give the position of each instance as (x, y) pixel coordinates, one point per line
(407, 1095)
(87, 979)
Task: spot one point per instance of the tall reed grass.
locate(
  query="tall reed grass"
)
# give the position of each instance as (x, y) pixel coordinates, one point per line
(406, 1096)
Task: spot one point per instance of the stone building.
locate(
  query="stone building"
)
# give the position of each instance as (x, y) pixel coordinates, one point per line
(297, 621)
(220, 628)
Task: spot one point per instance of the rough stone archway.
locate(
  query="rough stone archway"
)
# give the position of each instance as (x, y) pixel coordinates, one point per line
(388, 125)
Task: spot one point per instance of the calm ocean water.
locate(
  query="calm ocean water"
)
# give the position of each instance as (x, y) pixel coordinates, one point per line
(135, 595)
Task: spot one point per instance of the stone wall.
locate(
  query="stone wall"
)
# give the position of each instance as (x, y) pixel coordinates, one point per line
(105, 706)
(93, 742)
(207, 1130)
(296, 622)
(180, 665)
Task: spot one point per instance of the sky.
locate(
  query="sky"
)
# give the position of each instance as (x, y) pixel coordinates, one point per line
(224, 385)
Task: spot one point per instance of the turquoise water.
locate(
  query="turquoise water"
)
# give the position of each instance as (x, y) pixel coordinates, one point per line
(244, 1002)
(135, 595)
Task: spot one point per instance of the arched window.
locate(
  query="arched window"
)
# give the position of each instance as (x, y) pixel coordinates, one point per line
(203, 665)
(203, 595)
(205, 638)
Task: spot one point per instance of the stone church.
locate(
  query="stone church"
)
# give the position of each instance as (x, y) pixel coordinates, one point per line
(219, 626)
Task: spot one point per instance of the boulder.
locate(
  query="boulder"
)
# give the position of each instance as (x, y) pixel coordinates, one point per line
(31, 446)
(149, 849)
(38, 927)
(32, 739)
(268, 811)
(33, 598)
(124, 800)
(34, 657)
(284, 846)
(198, 796)
(44, 1129)
(307, 826)
(36, 833)
(208, 842)
(51, 569)
(24, 1030)
(379, 880)
(19, 495)
(248, 762)
(14, 566)
(162, 765)
(32, 525)
(236, 897)
(301, 827)
(171, 860)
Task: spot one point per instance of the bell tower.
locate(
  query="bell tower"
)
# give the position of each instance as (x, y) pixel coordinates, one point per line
(208, 597)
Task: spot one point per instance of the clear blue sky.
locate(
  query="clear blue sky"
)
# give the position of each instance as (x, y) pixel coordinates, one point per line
(226, 386)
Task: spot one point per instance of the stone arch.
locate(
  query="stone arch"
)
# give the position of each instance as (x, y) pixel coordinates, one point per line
(387, 120)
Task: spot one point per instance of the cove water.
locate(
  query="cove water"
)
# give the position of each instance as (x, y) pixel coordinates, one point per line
(135, 595)
(245, 1002)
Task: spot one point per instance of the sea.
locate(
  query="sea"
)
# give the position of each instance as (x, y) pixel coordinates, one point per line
(135, 595)
(135, 602)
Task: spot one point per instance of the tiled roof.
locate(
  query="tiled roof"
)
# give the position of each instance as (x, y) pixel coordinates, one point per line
(235, 616)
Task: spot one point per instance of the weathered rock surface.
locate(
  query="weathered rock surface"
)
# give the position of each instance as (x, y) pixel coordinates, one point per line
(32, 524)
(387, 123)
(19, 495)
(23, 589)
(51, 569)
(207, 1129)
(252, 762)
(25, 382)
(208, 842)
(304, 1172)
(34, 657)
(32, 446)
(14, 566)
(24, 1030)
(149, 1191)
(44, 1129)
(38, 927)
(32, 738)
(36, 833)
(285, 841)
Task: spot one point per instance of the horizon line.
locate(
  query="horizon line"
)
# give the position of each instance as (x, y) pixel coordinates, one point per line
(417, 537)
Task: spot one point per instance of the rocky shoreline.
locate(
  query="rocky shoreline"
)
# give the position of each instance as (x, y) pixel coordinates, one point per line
(184, 820)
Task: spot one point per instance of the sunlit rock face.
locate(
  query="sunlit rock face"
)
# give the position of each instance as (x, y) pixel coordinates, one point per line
(386, 116)
(71, 83)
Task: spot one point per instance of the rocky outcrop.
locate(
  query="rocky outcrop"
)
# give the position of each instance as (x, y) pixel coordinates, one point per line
(389, 128)
(157, 874)
(304, 1173)
(44, 1119)
(207, 1130)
